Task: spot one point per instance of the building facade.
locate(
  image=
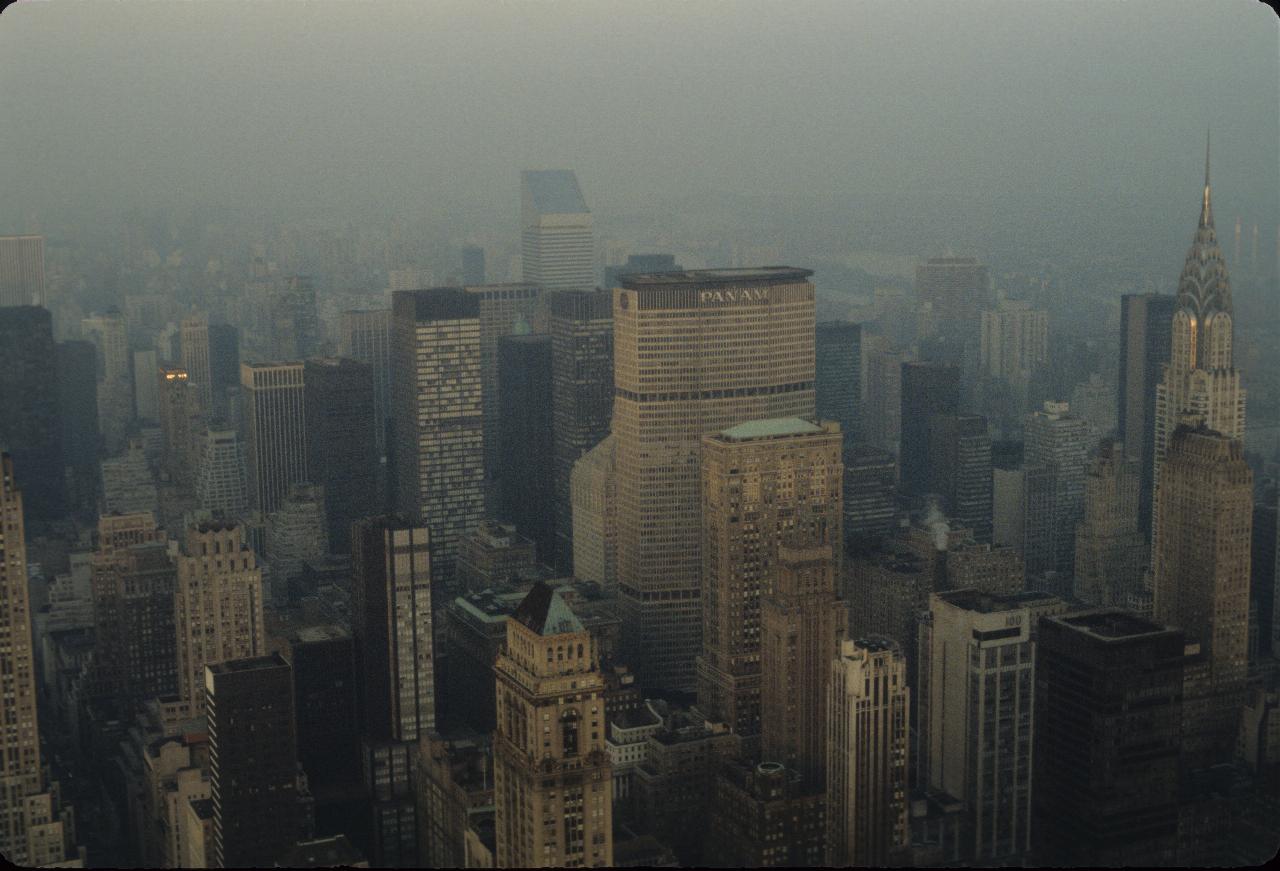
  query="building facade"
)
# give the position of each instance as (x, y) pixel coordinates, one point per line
(557, 247)
(21, 271)
(342, 443)
(838, 386)
(927, 389)
(275, 425)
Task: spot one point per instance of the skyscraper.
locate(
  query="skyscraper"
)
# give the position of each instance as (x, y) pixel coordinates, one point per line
(472, 264)
(296, 535)
(960, 463)
(552, 782)
(958, 289)
(1200, 562)
(293, 325)
(218, 610)
(870, 491)
(1108, 723)
(1200, 377)
(224, 367)
(594, 487)
(221, 483)
(253, 752)
(882, 418)
(115, 383)
(801, 627)
(557, 249)
(838, 362)
(21, 271)
(196, 361)
(581, 327)
(1015, 341)
(867, 750)
(392, 623)
(275, 424)
(78, 416)
(927, 389)
(342, 442)
(33, 830)
(439, 430)
(1057, 444)
(695, 352)
(179, 418)
(29, 425)
(526, 455)
(1111, 550)
(366, 336)
(762, 482)
(505, 310)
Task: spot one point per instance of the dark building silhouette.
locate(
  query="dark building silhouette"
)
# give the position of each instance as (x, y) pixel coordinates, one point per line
(1262, 573)
(927, 389)
(30, 430)
(581, 327)
(253, 769)
(224, 366)
(472, 264)
(324, 691)
(960, 463)
(136, 654)
(294, 324)
(526, 470)
(838, 388)
(1146, 336)
(342, 442)
(870, 492)
(763, 816)
(958, 290)
(1108, 711)
(78, 415)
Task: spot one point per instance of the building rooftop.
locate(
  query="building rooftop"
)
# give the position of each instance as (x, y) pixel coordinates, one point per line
(253, 663)
(554, 191)
(1112, 624)
(545, 612)
(708, 277)
(988, 603)
(771, 428)
(325, 632)
(332, 852)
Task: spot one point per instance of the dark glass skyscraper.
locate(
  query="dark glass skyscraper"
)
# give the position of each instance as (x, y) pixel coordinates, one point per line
(927, 389)
(838, 356)
(78, 415)
(224, 365)
(526, 469)
(960, 463)
(342, 442)
(1146, 334)
(30, 430)
(472, 264)
(581, 327)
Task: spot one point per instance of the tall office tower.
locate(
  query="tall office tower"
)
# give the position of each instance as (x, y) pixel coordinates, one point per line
(526, 445)
(293, 325)
(222, 485)
(253, 769)
(870, 492)
(218, 611)
(472, 264)
(1111, 549)
(1057, 445)
(196, 360)
(21, 271)
(325, 698)
(1262, 572)
(1095, 401)
(594, 491)
(505, 310)
(224, 367)
(557, 250)
(867, 713)
(275, 426)
(439, 433)
(133, 605)
(296, 534)
(1200, 377)
(1014, 342)
(960, 463)
(29, 425)
(581, 327)
(179, 420)
(762, 482)
(762, 816)
(695, 352)
(127, 485)
(801, 626)
(342, 442)
(387, 767)
(975, 695)
(958, 289)
(882, 417)
(1108, 722)
(1200, 562)
(927, 389)
(838, 366)
(366, 336)
(78, 416)
(552, 784)
(146, 387)
(34, 830)
(115, 383)
(392, 624)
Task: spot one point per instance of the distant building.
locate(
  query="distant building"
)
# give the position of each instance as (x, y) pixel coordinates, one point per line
(275, 424)
(127, 484)
(1057, 448)
(1146, 325)
(293, 323)
(297, 535)
(78, 415)
(838, 388)
(1014, 342)
(557, 248)
(594, 490)
(366, 336)
(960, 467)
(196, 360)
(179, 423)
(927, 389)
(224, 368)
(1112, 553)
(30, 430)
(870, 492)
(473, 265)
(882, 417)
(526, 444)
(222, 485)
(21, 271)
(342, 442)
(958, 290)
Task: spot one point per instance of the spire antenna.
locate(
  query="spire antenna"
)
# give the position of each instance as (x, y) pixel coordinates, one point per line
(1206, 157)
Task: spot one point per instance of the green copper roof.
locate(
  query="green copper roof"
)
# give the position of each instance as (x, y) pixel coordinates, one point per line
(546, 613)
(777, 426)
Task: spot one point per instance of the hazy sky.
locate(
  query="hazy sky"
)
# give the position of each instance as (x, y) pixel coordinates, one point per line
(1083, 109)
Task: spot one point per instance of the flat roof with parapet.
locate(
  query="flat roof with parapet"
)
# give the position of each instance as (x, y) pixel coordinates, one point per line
(987, 603)
(274, 660)
(773, 427)
(708, 277)
(1112, 624)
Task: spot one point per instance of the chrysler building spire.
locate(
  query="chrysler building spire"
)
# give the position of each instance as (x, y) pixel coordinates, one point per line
(1206, 213)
